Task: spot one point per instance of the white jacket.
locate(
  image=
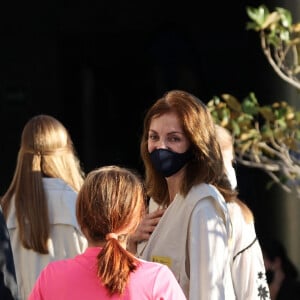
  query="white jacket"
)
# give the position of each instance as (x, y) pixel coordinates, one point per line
(193, 239)
(247, 264)
(66, 239)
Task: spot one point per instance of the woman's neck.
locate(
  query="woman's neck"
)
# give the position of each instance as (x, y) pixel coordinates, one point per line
(174, 183)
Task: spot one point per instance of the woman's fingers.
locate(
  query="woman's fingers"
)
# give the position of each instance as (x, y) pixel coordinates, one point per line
(147, 225)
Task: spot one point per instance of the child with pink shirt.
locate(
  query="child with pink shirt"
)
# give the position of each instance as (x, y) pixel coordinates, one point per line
(110, 206)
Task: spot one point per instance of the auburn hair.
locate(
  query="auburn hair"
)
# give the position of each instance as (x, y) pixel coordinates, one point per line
(112, 200)
(198, 125)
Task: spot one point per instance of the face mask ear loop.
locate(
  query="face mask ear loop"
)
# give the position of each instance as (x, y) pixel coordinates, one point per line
(232, 177)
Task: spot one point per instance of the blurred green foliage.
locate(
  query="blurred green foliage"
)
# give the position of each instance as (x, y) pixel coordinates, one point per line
(280, 40)
(251, 123)
(267, 136)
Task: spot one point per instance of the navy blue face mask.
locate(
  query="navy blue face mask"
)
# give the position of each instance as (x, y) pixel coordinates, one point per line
(168, 162)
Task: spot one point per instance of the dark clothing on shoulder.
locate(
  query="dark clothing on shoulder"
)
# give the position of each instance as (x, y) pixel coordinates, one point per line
(8, 281)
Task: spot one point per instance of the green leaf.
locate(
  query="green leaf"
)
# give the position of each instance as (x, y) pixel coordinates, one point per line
(285, 16)
(236, 131)
(232, 102)
(273, 39)
(249, 107)
(267, 113)
(281, 123)
(284, 35)
(258, 15)
(272, 18)
(252, 26)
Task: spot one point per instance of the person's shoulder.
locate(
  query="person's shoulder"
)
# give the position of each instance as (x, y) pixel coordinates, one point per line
(237, 217)
(57, 184)
(59, 193)
(202, 191)
(156, 271)
(57, 266)
(153, 266)
(61, 200)
(235, 210)
(206, 196)
(239, 210)
(161, 278)
(57, 271)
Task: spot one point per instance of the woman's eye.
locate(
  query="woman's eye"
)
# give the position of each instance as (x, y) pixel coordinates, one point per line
(153, 137)
(174, 139)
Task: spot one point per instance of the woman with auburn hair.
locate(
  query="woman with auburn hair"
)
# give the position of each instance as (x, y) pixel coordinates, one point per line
(188, 224)
(110, 206)
(39, 205)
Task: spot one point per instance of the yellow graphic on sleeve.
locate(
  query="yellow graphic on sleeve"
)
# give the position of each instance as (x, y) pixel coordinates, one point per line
(162, 260)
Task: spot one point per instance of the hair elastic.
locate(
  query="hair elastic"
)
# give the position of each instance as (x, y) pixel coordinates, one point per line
(111, 235)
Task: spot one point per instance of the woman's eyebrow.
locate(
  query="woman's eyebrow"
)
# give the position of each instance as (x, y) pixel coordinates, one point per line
(171, 132)
(178, 132)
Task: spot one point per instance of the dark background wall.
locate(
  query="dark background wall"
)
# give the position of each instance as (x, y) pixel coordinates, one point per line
(97, 67)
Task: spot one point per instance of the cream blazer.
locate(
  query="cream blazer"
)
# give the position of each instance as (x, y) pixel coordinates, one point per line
(193, 238)
(66, 239)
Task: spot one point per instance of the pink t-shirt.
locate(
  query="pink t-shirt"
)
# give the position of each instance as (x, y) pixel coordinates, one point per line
(76, 278)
